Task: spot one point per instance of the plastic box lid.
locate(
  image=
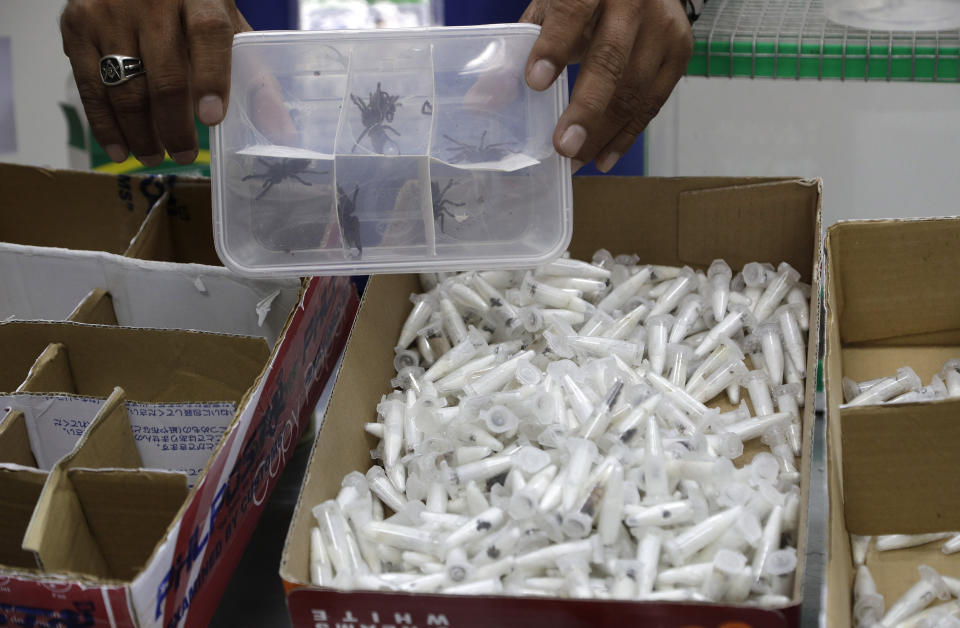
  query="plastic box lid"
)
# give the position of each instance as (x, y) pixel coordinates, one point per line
(381, 151)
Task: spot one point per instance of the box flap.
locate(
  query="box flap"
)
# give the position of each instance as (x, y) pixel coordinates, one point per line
(767, 222)
(95, 309)
(150, 364)
(890, 280)
(51, 372)
(180, 229)
(71, 209)
(14, 440)
(108, 440)
(654, 206)
(19, 491)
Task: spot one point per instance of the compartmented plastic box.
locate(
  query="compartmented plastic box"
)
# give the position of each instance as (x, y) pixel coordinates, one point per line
(388, 151)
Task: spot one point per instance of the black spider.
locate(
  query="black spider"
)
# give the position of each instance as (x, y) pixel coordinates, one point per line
(481, 152)
(440, 203)
(349, 223)
(280, 170)
(375, 113)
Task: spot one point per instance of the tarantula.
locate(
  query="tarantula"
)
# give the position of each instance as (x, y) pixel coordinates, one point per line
(280, 170)
(463, 152)
(440, 209)
(349, 223)
(375, 113)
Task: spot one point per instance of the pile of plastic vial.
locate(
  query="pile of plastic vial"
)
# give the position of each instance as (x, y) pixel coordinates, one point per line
(904, 386)
(916, 608)
(552, 434)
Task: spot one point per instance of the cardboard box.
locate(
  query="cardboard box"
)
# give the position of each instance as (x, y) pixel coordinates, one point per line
(666, 221)
(892, 300)
(107, 250)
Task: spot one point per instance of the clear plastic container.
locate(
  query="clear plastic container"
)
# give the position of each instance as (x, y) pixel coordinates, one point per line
(895, 15)
(360, 152)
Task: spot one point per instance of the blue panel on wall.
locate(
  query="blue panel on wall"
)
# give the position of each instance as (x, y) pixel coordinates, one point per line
(270, 15)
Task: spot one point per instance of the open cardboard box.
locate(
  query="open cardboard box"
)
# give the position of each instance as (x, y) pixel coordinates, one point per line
(118, 255)
(892, 300)
(665, 221)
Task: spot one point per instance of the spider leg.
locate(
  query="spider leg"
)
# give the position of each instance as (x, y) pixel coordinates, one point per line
(447, 187)
(457, 142)
(266, 188)
(362, 135)
(253, 176)
(306, 183)
(390, 128)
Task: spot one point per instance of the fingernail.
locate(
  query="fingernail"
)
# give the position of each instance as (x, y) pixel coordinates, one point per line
(572, 140)
(116, 153)
(151, 160)
(607, 162)
(185, 157)
(210, 110)
(541, 74)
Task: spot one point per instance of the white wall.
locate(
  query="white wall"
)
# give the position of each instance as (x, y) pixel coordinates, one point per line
(882, 149)
(40, 75)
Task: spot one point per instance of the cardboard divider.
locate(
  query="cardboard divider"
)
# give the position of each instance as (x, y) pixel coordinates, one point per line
(51, 372)
(15, 441)
(179, 229)
(108, 440)
(95, 309)
(76, 210)
(150, 364)
(19, 492)
(663, 229)
(892, 300)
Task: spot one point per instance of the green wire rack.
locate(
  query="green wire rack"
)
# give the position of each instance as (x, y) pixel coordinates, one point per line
(793, 39)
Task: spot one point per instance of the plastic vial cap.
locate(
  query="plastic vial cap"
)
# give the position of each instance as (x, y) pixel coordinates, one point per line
(577, 525)
(659, 320)
(603, 258)
(530, 459)
(909, 378)
(499, 419)
(850, 388)
(783, 390)
(731, 446)
(527, 373)
(405, 358)
(781, 562)
(754, 275)
(729, 562)
(532, 318)
(764, 468)
(719, 267)
(939, 587)
(786, 269)
(357, 480)
(618, 274)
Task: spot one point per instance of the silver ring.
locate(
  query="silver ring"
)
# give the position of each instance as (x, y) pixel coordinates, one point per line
(118, 69)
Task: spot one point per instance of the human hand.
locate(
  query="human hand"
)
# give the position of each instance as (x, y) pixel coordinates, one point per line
(633, 52)
(185, 46)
